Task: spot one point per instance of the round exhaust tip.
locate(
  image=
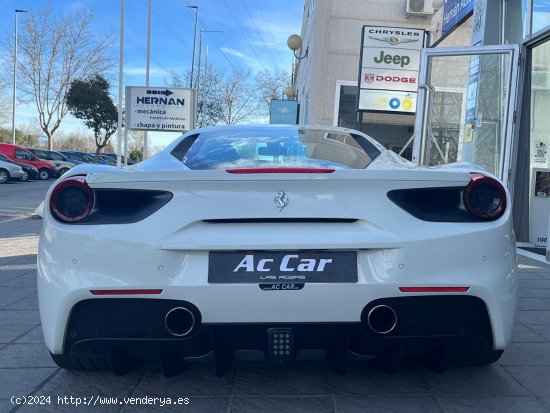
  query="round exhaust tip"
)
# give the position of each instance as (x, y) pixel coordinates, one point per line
(382, 319)
(179, 321)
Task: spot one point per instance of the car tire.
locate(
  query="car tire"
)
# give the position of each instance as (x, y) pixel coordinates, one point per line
(25, 177)
(70, 362)
(482, 358)
(62, 171)
(4, 176)
(44, 174)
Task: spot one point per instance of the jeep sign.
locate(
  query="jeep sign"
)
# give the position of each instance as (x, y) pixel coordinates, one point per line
(388, 76)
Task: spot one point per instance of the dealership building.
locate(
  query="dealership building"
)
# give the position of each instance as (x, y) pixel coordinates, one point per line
(438, 81)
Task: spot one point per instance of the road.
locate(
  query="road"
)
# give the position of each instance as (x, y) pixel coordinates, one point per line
(21, 198)
(517, 382)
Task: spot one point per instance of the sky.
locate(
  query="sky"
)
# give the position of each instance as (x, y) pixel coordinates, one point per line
(252, 36)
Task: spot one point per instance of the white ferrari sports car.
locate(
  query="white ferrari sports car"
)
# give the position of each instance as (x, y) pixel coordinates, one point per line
(278, 244)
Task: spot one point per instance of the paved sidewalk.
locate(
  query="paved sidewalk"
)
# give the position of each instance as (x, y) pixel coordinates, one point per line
(518, 382)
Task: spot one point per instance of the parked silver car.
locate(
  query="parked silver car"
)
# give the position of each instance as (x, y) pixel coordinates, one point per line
(10, 171)
(60, 163)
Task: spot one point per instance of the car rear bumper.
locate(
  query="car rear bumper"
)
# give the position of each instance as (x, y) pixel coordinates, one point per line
(16, 175)
(484, 262)
(138, 328)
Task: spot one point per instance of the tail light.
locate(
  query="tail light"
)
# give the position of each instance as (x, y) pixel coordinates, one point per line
(72, 199)
(484, 197)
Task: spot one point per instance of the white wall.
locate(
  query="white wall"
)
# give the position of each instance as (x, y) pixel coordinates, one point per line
(334, 46)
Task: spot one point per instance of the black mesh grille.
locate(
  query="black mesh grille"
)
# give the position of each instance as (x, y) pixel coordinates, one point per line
(416, 6)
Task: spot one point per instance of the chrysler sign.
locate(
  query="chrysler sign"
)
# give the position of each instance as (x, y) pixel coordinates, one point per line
(388, 76)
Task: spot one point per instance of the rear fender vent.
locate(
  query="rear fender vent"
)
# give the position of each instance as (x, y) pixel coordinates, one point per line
(125, 206)
(433, 204)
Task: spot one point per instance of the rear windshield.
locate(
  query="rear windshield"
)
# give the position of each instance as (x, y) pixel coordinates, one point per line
(271, 148)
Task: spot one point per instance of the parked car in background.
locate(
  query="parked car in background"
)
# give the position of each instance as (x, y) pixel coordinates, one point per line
(81, 156)
(114, 156)
(10, 171)
(19, 154)
(108, 159)
(72, 156)
(61, 163)
(91, 157)
(29, 171)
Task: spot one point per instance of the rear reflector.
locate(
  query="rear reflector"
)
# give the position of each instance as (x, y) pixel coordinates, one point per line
(124, 292)
(281, 171)
(434, 289)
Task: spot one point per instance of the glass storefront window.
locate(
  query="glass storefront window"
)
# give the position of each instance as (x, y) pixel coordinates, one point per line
(539, 145)
(347, 107)
(466, 109)
(391, 130)
(535, 16)
(516, 21)
(541, 15)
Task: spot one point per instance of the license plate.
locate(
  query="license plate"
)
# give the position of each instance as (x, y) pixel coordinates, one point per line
(282, 267)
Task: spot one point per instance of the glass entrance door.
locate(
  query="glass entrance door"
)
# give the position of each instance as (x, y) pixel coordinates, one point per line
(464, 111)
(532, 175)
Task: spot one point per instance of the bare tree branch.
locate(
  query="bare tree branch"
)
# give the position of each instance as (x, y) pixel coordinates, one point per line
(54, 50)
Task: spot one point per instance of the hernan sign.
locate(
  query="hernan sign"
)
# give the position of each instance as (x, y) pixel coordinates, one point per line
(160, 109)
(388, 77)
(454, 12)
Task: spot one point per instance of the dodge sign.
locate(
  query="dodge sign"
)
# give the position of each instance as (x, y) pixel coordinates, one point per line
(160, 109)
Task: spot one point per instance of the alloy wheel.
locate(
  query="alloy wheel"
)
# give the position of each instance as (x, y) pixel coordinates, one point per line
(3, 176)
(43, 174)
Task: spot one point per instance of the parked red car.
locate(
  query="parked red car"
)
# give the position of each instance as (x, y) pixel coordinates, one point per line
(20, 154)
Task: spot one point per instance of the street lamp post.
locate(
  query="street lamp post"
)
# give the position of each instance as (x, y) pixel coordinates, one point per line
(15, 76)
(120, 86)
(194, 44)
(148, 58)
(200, 50)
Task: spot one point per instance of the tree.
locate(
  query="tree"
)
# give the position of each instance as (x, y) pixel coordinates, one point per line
(210, 83)
(136, 155)
(75, 140)
(5, 107)
(232, 98)
(135, 145)
(89, 100)
(53, 51)
(238, 100)
(271, 85)
(27, 135)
